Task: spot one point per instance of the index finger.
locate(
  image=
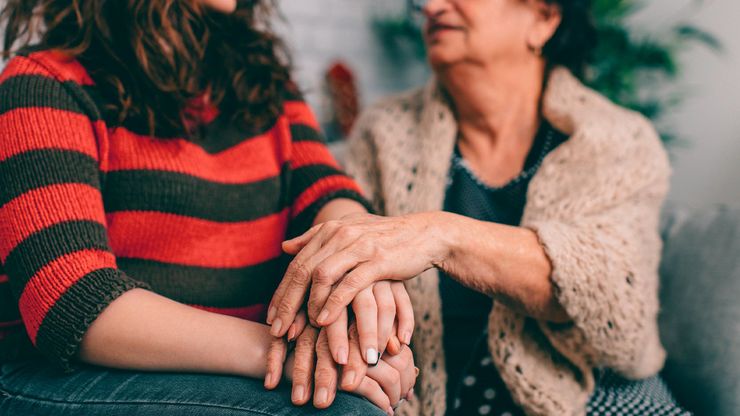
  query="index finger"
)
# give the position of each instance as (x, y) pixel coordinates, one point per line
(289, 295)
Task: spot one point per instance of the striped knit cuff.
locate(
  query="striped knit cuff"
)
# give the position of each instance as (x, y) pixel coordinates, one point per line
(61, 332)
(305, 219)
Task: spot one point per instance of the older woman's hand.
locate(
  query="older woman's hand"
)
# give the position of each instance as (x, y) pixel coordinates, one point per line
(353, 253)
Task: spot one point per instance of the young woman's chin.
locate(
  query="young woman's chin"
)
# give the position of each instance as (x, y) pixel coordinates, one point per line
(223, 6)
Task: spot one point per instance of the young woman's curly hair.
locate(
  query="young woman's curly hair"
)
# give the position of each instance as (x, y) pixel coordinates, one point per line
(152, 59)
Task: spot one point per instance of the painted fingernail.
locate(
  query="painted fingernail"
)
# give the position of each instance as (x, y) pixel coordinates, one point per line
(291, 332)
(406, 337)
(342, 356)
(323, 316)
(276, 327)
(322, 396)
(371, 356)
(349, 378)
(298, 392)
(271, 314)
(389, 411)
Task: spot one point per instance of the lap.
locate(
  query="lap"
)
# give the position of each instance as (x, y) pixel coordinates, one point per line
(481, 391)
(615, 395)
(34, 387)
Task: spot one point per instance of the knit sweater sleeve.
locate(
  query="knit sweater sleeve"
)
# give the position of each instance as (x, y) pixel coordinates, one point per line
(605, 250)
(53, 240)
(316, 178)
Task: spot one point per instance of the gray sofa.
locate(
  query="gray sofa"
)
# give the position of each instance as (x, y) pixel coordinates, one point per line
(700, 308)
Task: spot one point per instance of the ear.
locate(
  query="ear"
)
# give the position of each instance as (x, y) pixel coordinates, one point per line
(547, 19)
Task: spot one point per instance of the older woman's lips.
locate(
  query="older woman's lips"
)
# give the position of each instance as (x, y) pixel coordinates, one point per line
(437, 28)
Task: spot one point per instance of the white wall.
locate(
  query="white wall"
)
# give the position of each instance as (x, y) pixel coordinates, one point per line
(321, 31)
(707, 169)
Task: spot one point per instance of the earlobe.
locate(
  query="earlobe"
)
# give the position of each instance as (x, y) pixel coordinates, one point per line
(548, 20)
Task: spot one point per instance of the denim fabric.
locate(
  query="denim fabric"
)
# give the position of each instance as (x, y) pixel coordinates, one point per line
(35, 388)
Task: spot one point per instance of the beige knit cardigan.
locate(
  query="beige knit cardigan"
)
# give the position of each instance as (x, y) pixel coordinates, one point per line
(594, 203)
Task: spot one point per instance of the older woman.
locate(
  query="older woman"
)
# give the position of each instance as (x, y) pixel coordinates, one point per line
(523, 215)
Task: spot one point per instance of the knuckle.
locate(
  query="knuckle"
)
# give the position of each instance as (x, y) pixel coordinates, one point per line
(323, 275)
(302, 273)
(305, 343)
(332, 226)
(364, 302)
(285, 309)
(300, 373)
(385, 304)
(345, 232)
(324, 376)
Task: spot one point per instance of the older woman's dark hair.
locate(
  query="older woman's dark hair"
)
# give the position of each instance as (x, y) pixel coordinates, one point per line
(575, 38)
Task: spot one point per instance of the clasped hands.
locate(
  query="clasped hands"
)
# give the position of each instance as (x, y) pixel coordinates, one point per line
(356, 262)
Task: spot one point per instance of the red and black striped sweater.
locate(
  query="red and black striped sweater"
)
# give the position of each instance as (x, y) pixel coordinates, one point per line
(89, 210)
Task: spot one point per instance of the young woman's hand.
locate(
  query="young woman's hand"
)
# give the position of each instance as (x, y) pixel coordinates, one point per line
(386, 384)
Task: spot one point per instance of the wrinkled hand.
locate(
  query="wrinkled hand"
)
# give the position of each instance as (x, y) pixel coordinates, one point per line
(340, 259)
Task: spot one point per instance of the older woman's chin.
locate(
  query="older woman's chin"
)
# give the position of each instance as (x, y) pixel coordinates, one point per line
(439, 59)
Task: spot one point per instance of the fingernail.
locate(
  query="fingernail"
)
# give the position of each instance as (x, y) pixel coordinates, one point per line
(371, 356)
(322, 317)
(322, 396)
(291, 332)
(349, 378)
(400, 402)
(298, 392)
(416, 369)
(271, 314)
(406, 337)
(268, 380)
(389, 411)
(342, 356)
(276, 327)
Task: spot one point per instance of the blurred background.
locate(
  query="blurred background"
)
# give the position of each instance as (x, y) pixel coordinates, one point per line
(677, 61)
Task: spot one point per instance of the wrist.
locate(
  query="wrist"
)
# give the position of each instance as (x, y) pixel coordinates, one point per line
(443, 235)
(248, 355)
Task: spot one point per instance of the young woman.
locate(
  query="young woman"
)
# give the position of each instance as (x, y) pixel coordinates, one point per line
(153, 156)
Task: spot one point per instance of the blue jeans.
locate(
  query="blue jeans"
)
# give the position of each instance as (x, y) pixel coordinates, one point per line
(35, 388)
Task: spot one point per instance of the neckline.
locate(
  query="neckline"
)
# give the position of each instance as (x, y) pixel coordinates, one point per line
(542, 143)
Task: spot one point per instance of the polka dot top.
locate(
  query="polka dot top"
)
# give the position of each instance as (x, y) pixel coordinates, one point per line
(465, 311)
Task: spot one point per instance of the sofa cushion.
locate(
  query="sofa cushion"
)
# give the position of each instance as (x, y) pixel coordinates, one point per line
(700, 300)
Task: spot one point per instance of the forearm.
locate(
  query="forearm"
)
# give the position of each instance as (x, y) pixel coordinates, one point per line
(507, 263)
(145, 331)
(337, 209)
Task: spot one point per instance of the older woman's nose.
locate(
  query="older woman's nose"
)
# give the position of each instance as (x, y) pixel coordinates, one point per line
(431, 8)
